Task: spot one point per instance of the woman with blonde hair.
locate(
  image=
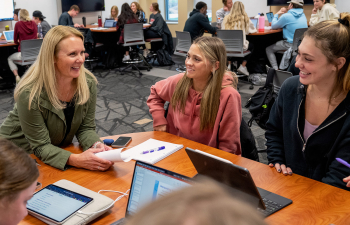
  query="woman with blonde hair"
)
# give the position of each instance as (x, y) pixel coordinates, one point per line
(309, 124)
(136, 8)
(204, 106)
(55, 101)
(25, 29)
(18, 176)
(238, 19)
(114, 13)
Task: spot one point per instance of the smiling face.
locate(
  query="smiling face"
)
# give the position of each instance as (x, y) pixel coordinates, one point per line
(70, 57)
(197, 66)
(318, 4)
(229, 4)
(313, 64)
(14, 211)
(133, 7)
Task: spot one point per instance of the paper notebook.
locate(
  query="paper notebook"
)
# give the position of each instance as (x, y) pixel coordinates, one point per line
(154, 157)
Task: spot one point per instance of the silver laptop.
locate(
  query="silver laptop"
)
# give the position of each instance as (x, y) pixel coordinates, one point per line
(9, 36)
(110, 23)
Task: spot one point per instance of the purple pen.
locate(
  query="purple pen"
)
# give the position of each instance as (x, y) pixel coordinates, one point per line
(343, 162)
(153, 150)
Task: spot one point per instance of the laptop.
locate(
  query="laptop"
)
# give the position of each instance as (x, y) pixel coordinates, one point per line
(269, 16)
(148, 184)
(9, 36)
(238, 178)
(255, 22)
(110, 23)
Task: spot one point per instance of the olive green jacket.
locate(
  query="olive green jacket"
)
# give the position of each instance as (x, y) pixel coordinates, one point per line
(41, 130)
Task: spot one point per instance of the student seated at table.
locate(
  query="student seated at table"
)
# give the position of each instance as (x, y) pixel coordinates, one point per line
(204, 203)
(126, 17)
(322, 11)
(224, 11)
(239, 20)
(289, 21)
(18, 176)
(204, 107)
(309, 124)
(136, 8)
(198, 22)
(55, 101)
(38, 17)
(66, 18)
(114, 13)
(25, 29)
(15, 14)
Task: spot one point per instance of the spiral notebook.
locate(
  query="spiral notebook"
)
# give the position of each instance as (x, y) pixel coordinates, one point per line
(156, 156)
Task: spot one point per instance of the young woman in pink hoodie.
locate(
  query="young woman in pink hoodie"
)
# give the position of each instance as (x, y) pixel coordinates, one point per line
(204, 106)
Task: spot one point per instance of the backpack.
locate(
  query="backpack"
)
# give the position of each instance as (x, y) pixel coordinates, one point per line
(261, 102)
(164, 58)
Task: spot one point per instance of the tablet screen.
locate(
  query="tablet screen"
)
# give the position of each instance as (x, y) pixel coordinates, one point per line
(57, 203)
(269, 16)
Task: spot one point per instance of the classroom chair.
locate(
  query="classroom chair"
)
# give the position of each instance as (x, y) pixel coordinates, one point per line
(29, 51)
(298, 37)
(183, 45)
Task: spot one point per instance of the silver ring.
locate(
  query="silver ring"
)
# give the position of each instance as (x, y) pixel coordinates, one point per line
(98, 167)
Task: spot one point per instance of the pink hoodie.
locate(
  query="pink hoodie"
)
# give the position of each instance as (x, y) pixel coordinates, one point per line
(224, 135)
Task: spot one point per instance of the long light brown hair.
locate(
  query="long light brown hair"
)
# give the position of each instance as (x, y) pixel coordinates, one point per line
(41, 75)
(213, 49)
(116, 11)
(333, 39)
(155, 6)
(138, 6)
(237, 17)
(17, 171)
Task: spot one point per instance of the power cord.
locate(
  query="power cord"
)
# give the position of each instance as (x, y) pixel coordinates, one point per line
(120, 197)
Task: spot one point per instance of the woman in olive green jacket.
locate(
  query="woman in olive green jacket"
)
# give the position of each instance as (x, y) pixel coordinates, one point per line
(55, 101)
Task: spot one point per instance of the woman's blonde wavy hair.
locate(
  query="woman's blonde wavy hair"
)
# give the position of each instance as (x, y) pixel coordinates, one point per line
(237, 17)
(24, 15)
(41, 75)
(213, 49)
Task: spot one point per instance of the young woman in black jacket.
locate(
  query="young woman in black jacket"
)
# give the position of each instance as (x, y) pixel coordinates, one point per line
(156, 20)
(309, 124)
(140, 14)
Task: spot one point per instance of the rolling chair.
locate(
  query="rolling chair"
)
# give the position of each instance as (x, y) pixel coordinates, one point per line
(29, 51)
(183, 45)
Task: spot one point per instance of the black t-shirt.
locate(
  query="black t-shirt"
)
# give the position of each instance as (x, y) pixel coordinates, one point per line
(68, 114)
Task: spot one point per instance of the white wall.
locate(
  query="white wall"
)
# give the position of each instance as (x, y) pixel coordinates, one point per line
(343, 5)
(253, 7)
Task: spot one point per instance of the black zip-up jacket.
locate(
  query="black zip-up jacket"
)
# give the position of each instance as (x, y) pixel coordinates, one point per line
(315, 157)
(197, 24)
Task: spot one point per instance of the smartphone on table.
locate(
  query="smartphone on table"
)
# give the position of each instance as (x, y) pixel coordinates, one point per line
(121, 142)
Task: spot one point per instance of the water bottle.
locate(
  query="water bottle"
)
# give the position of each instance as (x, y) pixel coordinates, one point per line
(262, 22)
(40, 31)
(99, 21)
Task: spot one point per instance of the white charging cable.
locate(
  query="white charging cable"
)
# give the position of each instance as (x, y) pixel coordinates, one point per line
(120, 197)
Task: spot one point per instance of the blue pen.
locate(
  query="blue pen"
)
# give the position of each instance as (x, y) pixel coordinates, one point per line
(153, 150)
(343, 162)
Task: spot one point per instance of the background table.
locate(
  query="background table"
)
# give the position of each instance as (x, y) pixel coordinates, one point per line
(313, 201)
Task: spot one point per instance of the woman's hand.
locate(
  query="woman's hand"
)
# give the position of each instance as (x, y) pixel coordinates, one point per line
(88, 160)
(314, 11)
(160, 128)
(104, 147)
(285, 170)
(347, 180)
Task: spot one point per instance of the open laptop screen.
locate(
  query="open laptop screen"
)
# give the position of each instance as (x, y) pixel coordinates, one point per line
(9, 35)
(109, 23)
(269, 16)
(255, 22)
(151, 182)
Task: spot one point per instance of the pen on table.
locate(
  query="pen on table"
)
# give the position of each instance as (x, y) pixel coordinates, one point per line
(153, 150)
(343, 162)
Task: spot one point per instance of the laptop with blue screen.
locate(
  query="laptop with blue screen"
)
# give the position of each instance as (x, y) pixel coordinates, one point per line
(269, 16)
(9, 36)
(255, 22)
(150, 183)
(110, 23)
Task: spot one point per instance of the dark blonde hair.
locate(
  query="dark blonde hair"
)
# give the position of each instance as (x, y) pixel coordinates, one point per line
(203, 203)
(213, 49)
(156, 6)
(333, 38)
(237, 16)
(116, 11)
(17, 170)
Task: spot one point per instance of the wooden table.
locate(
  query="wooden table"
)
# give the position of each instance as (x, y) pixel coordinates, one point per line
(3, 42)
(266, 32)
(313, 201)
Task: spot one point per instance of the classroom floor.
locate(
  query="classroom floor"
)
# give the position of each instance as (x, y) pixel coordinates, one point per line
(121, 102)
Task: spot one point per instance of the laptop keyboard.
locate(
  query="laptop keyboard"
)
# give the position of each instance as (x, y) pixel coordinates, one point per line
(271, 207)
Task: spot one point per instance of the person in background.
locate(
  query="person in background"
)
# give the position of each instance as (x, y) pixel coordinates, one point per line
(126, 17)
(309, 124)
(25, 29)
(224, 11)
(205, 202)
(204, 107)
(198, 22)
(66, 18)
(239, 20)
(136, 8)
(18, 176)
(15, 14)
(39, 18)
(156, 20)
(114, 13)
(322, 11)
(290, 21)
(55, 102)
